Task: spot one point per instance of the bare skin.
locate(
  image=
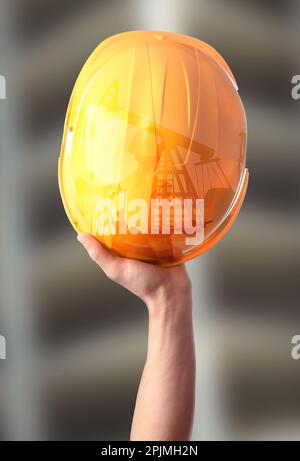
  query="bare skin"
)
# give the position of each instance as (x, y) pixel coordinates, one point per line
(165, 402)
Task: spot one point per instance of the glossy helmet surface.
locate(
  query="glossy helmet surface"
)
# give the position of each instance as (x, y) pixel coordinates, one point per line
(154, 118)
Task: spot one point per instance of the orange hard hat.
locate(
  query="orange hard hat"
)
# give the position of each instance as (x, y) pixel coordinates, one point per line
(154, 147)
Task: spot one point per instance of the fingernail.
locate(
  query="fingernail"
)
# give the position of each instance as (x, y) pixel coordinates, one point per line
(80, 238)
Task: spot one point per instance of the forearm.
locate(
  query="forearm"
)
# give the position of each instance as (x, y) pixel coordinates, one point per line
(165, 402)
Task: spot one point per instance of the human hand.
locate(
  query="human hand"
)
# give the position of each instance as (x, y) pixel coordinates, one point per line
(166, 397)
(153, 284)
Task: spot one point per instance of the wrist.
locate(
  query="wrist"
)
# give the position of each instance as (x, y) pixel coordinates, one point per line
(171, 326)
(170, 299)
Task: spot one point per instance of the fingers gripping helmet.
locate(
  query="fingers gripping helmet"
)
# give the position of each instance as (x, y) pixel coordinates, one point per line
(154, 147)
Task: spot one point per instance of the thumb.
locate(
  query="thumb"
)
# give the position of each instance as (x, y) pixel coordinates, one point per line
(98, 253)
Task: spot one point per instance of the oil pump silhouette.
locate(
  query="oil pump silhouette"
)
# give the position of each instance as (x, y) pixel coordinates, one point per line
(173, 179)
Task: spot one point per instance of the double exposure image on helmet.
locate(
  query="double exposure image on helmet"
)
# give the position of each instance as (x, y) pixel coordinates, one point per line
(153, 158)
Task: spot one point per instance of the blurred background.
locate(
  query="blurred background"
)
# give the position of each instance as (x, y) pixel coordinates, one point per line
(76, 342)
